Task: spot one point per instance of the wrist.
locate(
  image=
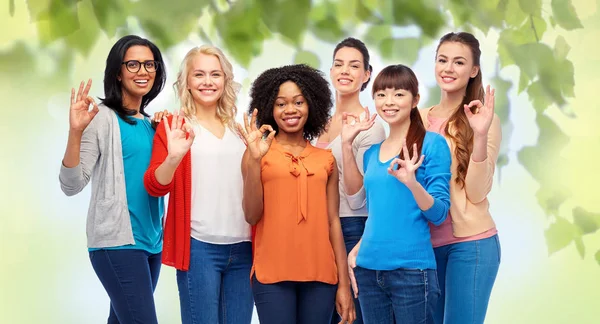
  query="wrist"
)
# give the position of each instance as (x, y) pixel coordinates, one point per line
(173, 160)
(480, 136)
(75, 132)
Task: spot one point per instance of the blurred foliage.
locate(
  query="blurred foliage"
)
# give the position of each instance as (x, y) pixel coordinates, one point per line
(242, 27)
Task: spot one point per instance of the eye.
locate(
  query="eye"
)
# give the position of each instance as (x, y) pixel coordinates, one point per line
(441, 60)
(399, 94)
(150, 64)
(337, 64)
(133, 64)
(460, 62)
(199, 75)
(380, 95)
(216, 75)
(299, 103)
(355, 66)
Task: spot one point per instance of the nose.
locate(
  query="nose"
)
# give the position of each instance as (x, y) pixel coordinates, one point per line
(389, 101)
(345, 69)
(289, 109)
(449, 67)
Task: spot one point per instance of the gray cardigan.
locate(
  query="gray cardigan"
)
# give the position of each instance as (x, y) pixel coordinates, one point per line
(101, 158)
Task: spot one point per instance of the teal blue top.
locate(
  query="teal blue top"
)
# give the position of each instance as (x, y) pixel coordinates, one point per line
(396, 234)
(145, 211)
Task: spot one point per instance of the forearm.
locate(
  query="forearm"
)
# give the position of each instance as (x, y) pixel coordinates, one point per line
(72, 152)
(422, 197)
(253, 191)
(479, 153)
(164, 173)
(353, 179)
(339, 250)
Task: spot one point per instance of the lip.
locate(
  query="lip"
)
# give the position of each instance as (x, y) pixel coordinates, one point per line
(141, 82)
(344, 81)
(447, 79)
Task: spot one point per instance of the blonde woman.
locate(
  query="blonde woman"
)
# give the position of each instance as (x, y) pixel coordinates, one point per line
(196, 159)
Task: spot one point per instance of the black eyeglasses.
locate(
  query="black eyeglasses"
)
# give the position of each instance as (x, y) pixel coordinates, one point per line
(134, 66)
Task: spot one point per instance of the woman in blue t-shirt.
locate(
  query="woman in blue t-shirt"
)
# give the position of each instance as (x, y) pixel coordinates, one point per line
(404, 189)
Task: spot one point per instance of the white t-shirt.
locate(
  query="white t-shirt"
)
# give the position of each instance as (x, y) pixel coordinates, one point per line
(217, 188)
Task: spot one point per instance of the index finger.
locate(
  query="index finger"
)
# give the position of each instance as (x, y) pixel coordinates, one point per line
(253, 119)
(405, 150)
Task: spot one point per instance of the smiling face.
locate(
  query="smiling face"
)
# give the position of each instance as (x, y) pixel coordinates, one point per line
(454, 66)
(206, 79)
(348, 72)
(394, 105)
(136, 85)
(290, 110)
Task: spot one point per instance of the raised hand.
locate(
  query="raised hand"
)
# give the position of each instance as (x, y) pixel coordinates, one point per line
(405, 173)
(352, 125)
(158, 116)
(253, 136)
(80, 114)
(180, 136)
(481, 119)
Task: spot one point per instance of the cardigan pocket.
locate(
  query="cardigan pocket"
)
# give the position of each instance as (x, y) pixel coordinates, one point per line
(109, 223)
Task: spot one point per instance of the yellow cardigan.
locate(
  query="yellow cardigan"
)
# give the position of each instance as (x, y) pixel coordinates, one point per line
(469, 206)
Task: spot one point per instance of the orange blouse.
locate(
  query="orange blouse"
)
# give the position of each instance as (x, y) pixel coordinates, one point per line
(291, 242)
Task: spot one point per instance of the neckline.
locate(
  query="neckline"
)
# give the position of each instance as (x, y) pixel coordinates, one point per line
(305, 151)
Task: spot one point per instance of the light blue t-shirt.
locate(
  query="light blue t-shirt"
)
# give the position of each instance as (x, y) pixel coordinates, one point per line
(397, 232)
(145, 211)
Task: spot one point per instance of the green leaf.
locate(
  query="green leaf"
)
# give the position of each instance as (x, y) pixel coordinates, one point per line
(523, 82)
(244, 38)
(86, 36)
(377, 33)
(422, 13)
(565, 15)
(328, 30)
(586, 221)
(111, 14)
(559, 234)
(567, 72)
(579, 245)
(405, 50)
(367, 14)
(308, 58)
(502, 102)
(182, 19)
(289, 19)
(11, 7)
(561, 48)
(57, 21)
(515, 16)
(597, 256)
(531, 7)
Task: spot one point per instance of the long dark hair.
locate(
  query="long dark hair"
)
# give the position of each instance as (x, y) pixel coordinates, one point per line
(402, 77)
(463, 134)
(359, 46)
(112, 86)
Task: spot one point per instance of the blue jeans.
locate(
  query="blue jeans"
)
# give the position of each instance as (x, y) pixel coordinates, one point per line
(353, 228)
(129, 277)
(291, 302)
(406, 296)
(216, 287)
(466, 272)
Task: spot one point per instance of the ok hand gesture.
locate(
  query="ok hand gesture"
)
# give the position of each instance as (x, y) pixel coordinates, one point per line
(352, 125)
(180, 137)
(79, 114)
(408, 166)
(253, 136)
(481, 119)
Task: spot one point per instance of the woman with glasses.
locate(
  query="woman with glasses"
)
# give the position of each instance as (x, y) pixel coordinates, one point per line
(111, 145)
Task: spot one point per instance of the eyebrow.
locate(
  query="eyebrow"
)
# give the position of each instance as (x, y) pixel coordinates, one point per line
(198, 70)
(294, 97)
(352, 61)
(456, 57)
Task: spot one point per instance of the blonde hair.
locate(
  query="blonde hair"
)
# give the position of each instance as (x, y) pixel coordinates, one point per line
(226, 108)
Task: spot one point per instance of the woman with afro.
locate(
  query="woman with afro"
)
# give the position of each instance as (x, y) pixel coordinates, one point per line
(291, 197)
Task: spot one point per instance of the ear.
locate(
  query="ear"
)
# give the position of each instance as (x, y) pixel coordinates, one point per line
(119, 77)
(416, 100)
(474, 71)
(368, 74)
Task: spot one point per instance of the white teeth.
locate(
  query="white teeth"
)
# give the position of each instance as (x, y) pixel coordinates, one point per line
(344, 81)
(141, 81)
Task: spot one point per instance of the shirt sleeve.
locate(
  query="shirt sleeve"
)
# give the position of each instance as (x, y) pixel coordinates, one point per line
(159, 154)
(480, 175)
(73, 180)
(437, 179)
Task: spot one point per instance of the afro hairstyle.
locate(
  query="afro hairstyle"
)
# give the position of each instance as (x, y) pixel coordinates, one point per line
(314, 88)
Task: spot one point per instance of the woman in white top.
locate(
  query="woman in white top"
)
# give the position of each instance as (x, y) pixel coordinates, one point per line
(196, 159)
(350, 74)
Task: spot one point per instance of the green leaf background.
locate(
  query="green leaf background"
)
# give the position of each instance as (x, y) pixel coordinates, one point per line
(539, 55)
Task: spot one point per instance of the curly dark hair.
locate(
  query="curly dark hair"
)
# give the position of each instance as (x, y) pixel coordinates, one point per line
(314, 88)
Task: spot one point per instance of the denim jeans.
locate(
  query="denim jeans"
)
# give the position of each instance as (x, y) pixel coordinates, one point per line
(294, 302)
(406, 296)
(352, 228)
(216, 288)
(466, 273)
(129, 277)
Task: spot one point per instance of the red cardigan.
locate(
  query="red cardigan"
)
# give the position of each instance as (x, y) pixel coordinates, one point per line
(176, 241)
